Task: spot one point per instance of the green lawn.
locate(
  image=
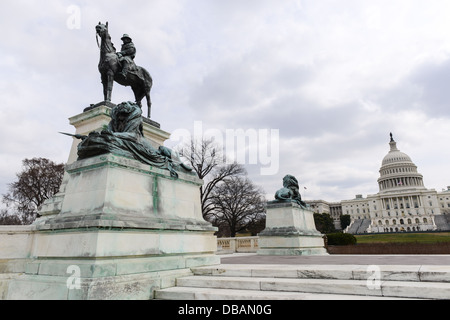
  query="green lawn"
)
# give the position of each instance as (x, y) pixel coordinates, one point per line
(404, 237)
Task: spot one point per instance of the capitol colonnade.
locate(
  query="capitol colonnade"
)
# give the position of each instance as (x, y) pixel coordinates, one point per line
(404, 181)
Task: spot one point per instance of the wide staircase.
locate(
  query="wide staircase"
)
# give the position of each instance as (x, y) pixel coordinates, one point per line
(311, 282)
(359, 226)
(442, 222)
(355, 226)
(364, 226)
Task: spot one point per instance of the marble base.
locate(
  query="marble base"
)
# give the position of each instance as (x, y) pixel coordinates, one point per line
(290, 230)
(121, 278)
(120, 229)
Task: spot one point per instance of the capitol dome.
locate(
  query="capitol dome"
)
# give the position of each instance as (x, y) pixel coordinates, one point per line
(395, 155)
(398, 171)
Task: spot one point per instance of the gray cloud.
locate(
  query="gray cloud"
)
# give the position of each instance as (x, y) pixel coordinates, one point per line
(432, 82)
(334, 77)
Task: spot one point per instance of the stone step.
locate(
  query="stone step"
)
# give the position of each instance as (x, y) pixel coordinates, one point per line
(414, 273)
(398, 289)
(319, 282)
(189, 293)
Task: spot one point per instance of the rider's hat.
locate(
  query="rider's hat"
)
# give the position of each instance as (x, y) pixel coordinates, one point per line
(125, 36)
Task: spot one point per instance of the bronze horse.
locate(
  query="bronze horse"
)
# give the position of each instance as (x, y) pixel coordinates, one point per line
(110, 69)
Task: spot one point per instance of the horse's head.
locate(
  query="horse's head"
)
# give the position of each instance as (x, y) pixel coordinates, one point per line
(102, 29)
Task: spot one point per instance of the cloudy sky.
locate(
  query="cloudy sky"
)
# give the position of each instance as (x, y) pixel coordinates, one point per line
(334, 77)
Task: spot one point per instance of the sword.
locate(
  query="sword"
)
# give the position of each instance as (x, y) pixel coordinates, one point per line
(77, 136)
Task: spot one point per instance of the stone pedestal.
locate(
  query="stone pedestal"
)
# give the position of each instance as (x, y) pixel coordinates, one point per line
(290, 230)
(97, 117)
(120, 230)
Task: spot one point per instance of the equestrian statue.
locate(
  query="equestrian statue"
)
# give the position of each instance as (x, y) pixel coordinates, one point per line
(120, 67)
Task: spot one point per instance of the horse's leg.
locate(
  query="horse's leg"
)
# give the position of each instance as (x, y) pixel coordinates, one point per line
(105, 86)
(110, 83)
(137, 96)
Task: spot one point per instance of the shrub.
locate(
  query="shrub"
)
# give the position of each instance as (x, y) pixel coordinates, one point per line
(340, 239)
(345, 221)
(324, 223)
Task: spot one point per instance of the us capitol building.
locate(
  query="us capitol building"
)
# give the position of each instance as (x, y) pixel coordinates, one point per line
(403, 204)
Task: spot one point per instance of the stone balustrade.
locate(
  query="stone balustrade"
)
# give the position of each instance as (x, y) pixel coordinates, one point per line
(241, 244)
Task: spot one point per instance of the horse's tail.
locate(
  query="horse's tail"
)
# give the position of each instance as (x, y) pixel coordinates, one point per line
(148, 81)
(142, 86)
(148, 86)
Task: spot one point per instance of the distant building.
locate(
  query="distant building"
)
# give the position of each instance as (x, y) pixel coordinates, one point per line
(403, 204)
(334, 209)
(444, 201)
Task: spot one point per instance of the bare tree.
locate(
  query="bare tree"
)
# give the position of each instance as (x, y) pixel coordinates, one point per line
(38, 181)
(7, 219)
(238, 205)
(207, 160)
